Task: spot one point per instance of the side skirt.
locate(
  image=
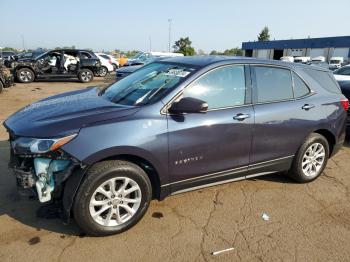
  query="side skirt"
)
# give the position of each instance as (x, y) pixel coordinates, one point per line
(254, 170)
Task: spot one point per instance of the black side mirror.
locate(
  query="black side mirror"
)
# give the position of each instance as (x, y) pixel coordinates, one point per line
(188, 105)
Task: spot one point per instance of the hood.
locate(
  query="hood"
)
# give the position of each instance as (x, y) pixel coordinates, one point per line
(128, 69)
(64, 114)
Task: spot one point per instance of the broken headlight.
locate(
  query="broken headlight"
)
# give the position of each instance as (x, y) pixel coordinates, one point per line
(24, 145)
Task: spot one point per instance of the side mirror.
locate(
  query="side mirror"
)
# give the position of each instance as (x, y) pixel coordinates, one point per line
(188, 105)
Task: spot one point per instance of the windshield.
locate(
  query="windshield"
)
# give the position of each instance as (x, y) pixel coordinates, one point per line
(146, 84)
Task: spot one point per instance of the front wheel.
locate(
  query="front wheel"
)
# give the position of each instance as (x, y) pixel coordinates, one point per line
(25, 75)
(85, 75)
(311, 159)
(114, 197)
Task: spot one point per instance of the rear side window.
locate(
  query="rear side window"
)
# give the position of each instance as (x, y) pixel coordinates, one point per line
(273, 84)
(325, 79)
(300, 88)
(85, 55)
(222, 87)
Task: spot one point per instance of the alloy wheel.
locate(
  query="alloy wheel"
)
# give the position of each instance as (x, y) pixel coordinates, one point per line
(313, 159)
(86, 76)
(115, 201)
(25, 76)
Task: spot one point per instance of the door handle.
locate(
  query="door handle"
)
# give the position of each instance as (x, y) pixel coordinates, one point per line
(241, 117)
(307, 106)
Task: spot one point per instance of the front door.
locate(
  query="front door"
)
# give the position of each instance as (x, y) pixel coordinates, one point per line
(208, 148)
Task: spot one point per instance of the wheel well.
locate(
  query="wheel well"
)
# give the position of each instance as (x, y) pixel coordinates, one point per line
(330, 138)
(147, 167)
(28, 67)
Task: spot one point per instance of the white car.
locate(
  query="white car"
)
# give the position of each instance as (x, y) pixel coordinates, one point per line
(112, 60)
(106, 66)
(336, 62)
(302, 59)
(342, 74)
(287, 59)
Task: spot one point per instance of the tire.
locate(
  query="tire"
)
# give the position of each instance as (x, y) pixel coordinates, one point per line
(306, 165)
(112, 202)
(1, 87)
(85, 75)
(103, 71)
(115, 67)
(25, 75)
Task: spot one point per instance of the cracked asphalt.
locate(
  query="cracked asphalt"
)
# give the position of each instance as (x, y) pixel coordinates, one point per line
(308, 222)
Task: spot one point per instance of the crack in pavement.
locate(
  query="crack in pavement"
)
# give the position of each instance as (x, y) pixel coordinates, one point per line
(70, 244)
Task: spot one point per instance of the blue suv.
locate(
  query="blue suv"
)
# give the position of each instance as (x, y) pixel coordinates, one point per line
(172, 126)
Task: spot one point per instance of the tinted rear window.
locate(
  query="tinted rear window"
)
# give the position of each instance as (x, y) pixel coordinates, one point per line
(273, 84)
(300, 88)
(325, 79)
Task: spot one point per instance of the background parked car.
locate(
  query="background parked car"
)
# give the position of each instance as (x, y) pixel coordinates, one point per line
(127, 70)
(302, 59)
(318, 63)
(54, 64)
(336, 62)
(6, 78)
(342, 74)
(141, 58)
(106, 66)
(7, 57)
(112, 60)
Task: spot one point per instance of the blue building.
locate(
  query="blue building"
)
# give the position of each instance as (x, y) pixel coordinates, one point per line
(310, 47)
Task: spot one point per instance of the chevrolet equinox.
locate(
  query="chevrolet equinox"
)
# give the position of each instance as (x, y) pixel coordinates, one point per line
(172, 126)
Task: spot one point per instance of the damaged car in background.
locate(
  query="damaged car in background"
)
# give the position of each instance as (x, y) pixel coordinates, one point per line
(6, 78)
(58, 64)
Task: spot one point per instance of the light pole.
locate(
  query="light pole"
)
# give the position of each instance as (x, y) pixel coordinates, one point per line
(170, 21)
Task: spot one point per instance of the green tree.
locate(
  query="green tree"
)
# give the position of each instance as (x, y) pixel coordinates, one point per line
(230, 52)
(183, 45)
(264, 34)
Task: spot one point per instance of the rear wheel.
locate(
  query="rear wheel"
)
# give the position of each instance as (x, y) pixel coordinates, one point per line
(103, 71)
(114, 197)
(25, 75)
(311, 159)
(115, 67)
(85, 75)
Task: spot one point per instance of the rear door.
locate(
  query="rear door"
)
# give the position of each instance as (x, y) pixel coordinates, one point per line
(211, 147)
(285, 113)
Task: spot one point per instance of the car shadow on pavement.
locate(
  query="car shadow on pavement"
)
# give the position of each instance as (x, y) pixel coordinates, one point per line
(24, 209)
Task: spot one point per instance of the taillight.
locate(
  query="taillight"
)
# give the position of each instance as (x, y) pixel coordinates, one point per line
(345, 104)
(110, 61)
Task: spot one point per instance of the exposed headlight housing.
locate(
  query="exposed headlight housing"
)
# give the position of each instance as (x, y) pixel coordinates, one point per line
(38, 145)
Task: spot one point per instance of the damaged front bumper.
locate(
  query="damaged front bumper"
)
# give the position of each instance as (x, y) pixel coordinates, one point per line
(43, 174)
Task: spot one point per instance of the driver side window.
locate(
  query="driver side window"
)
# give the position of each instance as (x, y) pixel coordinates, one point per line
(220, 88)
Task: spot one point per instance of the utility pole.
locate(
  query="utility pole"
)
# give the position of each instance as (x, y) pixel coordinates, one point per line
(170, 21)
(150, 43)
(23, 47)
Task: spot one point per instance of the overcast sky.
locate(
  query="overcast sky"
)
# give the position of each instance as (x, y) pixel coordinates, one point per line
(129, 24)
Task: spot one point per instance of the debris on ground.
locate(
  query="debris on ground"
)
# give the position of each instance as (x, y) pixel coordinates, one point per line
(265, 217)
(222, 251)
